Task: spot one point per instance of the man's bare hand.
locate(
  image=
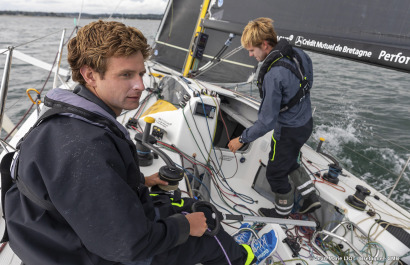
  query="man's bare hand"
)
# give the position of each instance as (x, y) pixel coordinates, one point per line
(197, 222)
(154, 180)
(234, 145)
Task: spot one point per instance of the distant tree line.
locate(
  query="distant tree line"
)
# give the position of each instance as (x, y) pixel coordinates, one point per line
(83, 15)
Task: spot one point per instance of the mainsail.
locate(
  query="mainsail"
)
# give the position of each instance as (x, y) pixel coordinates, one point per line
(368, 31)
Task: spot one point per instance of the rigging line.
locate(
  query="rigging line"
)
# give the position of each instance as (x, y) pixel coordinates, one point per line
(224, 60)
(18, 100)
(69, 37)
(79, 14)
(226, 129)
(199, 132)
(393, 143)
(221, 196)
(115, 9)
(28, 111)
(209, 193)
(172, 19)
(351, 170)
(216, 124)
(395, 174)
(219, 189)
(190, 130)
(218, 55)
(216, 58)
(228, 137)
(187, 157)
(43, 37)
(245, 198)
(381, 210)
(210, 151)
(210, 136)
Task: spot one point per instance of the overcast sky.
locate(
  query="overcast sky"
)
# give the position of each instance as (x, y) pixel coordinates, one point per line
(89, 6)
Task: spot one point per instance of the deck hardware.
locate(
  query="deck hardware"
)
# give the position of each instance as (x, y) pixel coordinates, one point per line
(170, 172)
(38, 100)
(293, 245)
(357, 200)
(319, 145)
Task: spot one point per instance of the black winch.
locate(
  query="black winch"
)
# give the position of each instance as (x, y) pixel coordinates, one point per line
(333, 174)
(357, 200)
(170, 172)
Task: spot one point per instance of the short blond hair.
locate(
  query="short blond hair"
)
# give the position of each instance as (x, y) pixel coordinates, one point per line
(257, 31)
(100, 40)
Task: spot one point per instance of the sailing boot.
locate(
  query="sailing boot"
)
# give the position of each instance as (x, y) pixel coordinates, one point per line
(304, 186)
(283, 205)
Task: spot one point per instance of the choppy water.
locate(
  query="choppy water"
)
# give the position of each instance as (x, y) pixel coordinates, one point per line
(362, 111)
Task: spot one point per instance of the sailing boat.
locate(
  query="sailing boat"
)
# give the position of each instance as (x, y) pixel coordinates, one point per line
(196, 53)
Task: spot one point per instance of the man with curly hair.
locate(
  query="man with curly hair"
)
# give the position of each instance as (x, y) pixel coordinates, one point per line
(79, 196)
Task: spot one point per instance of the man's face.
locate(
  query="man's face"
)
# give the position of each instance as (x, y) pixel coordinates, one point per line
(122, 85)
(258, 52)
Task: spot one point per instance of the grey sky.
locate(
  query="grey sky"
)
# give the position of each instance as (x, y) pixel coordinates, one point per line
(89, 6)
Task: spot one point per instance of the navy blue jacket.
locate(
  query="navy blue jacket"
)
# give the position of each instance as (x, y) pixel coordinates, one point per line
(93, 180)
(279, 87)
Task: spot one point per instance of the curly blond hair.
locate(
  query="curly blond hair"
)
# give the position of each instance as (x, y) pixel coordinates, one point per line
(257, 31)
(100, 40)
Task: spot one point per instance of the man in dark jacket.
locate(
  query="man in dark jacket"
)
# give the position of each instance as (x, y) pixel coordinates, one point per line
(83, 163)
(283, 72)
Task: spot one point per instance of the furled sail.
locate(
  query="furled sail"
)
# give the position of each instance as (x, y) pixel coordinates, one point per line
(368, 31)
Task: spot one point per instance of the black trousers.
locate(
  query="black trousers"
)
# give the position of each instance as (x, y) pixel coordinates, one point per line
(205, 250)
(284, 155)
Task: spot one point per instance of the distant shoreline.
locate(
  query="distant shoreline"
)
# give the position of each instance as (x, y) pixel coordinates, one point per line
(83, 15)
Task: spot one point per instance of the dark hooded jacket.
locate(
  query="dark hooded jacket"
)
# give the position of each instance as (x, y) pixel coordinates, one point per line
(280, 85)
(104, 214)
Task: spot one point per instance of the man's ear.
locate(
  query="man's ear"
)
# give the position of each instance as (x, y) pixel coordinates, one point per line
(89, 75)
(265, 45)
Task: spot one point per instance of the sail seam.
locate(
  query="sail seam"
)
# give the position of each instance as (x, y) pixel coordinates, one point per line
(208, 56)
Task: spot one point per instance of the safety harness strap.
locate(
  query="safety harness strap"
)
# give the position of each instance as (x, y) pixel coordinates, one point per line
(284, 49)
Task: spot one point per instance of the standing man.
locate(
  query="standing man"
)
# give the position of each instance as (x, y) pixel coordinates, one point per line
(284, 80)
(80, 197)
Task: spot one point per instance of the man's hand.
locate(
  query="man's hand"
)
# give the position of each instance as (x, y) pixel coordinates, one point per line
(154, 180)
(197, 223)
(234, 145)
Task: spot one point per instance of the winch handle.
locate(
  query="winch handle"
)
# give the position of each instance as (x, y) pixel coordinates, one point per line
(216, 215)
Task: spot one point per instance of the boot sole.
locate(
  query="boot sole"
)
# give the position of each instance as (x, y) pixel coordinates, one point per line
(259, 211)
(276, 216)
(313, 207)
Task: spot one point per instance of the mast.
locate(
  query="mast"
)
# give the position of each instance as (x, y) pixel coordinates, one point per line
(199, 28)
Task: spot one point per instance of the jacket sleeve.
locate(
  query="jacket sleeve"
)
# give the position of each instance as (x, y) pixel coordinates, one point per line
(268, 110)
(86, 181)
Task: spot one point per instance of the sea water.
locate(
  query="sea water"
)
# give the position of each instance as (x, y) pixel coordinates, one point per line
(362, 111)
